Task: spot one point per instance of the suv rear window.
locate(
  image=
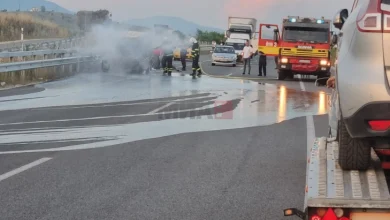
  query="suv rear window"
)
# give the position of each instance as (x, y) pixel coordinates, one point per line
(387, 2)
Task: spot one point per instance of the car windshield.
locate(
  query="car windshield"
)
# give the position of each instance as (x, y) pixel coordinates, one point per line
(236, 46)
(224, 50)
(306, 34)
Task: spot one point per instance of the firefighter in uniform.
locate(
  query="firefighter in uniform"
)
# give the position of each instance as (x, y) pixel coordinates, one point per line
(195, 57)
(167, 59)
(183, 56)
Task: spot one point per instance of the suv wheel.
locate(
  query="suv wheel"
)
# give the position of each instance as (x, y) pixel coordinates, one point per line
(354, 153)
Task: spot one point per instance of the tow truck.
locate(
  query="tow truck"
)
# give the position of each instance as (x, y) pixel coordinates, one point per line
(335, 194)
(303, 47)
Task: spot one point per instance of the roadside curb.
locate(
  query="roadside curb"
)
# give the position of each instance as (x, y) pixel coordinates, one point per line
(20, 86)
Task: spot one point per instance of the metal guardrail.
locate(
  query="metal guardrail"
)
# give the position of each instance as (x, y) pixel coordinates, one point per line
(51, 44)
(26, 65)
(36, 53)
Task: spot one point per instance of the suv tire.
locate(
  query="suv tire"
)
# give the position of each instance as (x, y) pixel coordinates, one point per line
(354, 153)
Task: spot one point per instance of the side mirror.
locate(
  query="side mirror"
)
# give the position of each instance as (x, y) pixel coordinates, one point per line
(321, 81)
(340, 18)
(227, 34)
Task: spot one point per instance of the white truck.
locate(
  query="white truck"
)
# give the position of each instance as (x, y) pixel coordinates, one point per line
(335, 194)
(240, 30)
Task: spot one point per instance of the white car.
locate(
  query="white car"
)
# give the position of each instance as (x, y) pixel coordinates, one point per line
(224, 55)
(360, 106)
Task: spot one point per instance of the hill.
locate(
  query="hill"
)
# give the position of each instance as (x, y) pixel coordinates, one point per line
(26, 5)
(186, 27)
(10, 24)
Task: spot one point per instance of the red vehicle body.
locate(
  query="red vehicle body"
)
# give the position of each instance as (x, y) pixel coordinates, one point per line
(302, 48)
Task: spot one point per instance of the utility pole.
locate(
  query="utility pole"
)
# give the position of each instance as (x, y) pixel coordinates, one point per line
(22, 38)
(85, 22)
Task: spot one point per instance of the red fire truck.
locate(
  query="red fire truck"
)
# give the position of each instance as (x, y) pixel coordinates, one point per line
(303, 47)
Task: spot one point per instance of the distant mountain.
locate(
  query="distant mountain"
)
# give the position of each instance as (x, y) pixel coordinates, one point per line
(26, 5)
(186, 27)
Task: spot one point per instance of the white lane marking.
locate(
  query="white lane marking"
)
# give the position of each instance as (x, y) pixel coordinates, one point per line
(108, 105)
(103, 117)
(309, 121)
(23, 168)
(160, 108)
(310, 131)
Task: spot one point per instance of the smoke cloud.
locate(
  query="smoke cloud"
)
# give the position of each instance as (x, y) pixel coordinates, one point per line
(125, 49)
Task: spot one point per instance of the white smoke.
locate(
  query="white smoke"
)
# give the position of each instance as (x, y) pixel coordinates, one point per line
(114, 44)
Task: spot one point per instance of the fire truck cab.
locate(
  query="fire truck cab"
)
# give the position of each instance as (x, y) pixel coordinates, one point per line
(302, 48)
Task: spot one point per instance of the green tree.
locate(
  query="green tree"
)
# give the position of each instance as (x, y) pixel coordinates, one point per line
(43, 8)
(209, 36)
(85, 19)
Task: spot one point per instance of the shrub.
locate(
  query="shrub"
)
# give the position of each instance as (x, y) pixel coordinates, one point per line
(11, 24)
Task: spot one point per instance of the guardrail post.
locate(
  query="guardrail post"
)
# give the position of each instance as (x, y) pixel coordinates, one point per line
(23, 72)
(35, 70)
(62, 66)
(78, 66)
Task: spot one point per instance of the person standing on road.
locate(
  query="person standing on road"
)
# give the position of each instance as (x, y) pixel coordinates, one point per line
(248, 51)
(167, 59)
(262, 64)
(183, 56)
(195, 53)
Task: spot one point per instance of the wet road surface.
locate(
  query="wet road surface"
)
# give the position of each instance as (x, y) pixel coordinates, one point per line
(118, 146)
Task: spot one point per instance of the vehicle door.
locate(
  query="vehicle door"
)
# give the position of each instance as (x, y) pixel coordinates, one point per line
(385, 7)
(334, 108)
(269, 39)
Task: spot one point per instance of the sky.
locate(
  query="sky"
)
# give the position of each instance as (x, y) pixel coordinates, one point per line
(212, 12)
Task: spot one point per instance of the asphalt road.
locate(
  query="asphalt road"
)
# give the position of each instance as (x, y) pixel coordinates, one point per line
(118, 146)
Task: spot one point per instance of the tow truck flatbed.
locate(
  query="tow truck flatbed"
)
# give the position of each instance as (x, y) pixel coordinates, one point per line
(331, 189)
(329, 185)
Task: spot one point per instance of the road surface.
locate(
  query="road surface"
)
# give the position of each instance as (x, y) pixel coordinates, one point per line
(118, 146)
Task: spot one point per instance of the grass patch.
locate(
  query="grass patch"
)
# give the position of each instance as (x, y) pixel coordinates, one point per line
(34, 28)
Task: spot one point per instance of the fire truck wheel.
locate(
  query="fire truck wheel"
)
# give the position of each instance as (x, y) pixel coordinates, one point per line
(322, 75)
(282, 75)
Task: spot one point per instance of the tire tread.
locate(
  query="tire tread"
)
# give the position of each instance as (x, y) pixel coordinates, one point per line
(354, 153)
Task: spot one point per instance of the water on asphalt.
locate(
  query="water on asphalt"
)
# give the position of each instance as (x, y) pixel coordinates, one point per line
(231, 104)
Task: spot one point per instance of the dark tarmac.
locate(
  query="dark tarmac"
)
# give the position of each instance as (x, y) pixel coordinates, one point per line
(120, 146)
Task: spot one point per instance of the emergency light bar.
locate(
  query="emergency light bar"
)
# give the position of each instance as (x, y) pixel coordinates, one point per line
(294, 19)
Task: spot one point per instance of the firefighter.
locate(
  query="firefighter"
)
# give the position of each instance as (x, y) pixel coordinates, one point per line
(195, 53)
(167, 59)
(183, 56)
(262, 64)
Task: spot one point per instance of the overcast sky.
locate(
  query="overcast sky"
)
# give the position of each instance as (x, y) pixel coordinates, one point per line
(211, 12)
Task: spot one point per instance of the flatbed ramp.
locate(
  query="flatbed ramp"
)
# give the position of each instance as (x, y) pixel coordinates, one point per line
(335, 194)
(330, 186)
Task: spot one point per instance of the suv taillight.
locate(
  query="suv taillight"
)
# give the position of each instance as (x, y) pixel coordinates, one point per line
(370, 22)
(370, 18)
